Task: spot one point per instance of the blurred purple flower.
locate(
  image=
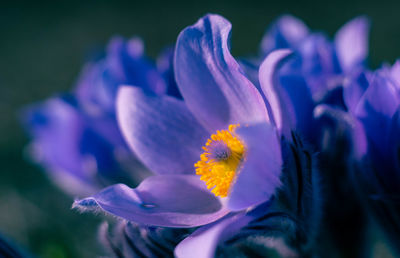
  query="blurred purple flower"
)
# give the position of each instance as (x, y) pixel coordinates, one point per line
(373, 98)
(316, 72)
(308, 96)
(76, 136)
(124, 64)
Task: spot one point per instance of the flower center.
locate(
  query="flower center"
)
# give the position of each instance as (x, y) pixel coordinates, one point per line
(220, 161)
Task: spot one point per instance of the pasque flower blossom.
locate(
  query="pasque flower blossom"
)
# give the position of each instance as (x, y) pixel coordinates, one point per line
(222, 111)
(229, 128)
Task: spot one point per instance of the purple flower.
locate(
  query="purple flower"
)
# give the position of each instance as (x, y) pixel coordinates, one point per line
(221, 131)
(79, 151)
(310, 94)
(76, 136)
(317, 71)
(373, 98)
(124, 63)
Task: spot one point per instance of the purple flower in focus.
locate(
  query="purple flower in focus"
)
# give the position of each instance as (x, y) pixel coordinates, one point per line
(76, 136)
(222, 125)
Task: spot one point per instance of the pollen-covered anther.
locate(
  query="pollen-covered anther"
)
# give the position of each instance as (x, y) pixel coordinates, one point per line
(220, 162)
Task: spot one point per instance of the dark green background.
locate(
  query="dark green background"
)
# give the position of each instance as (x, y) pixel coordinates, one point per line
(43, 46)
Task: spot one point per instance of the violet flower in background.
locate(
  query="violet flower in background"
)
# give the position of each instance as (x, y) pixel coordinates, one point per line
(309, 89)
(124, 63)
(373, 98)
(76, 136)
(317, 70)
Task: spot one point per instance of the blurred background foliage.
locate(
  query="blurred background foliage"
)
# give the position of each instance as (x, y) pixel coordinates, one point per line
(43, 46)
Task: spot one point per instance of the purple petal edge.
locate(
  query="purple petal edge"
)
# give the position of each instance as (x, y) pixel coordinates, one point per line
(211, 81)
(280, 108)
(165, 200)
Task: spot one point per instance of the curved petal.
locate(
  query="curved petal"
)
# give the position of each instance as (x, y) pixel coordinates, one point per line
(212, 83)
(204, 241)
(165, 200)
(351, 43)
(234, 229)
(160, 130)
(260, 174)
(280, 108)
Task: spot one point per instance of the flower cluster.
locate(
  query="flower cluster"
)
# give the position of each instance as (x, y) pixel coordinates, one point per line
(231, 157)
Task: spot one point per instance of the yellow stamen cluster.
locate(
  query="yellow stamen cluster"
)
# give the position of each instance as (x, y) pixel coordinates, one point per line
(219, 172)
